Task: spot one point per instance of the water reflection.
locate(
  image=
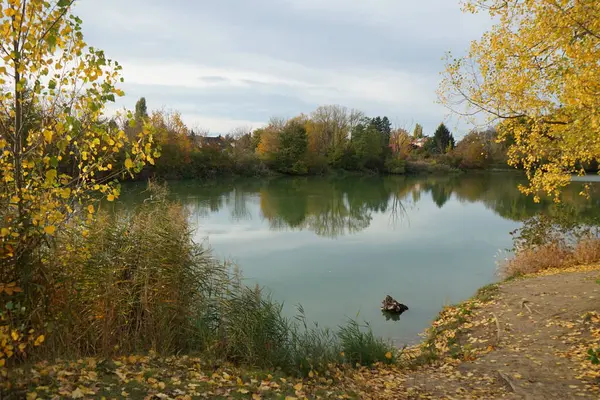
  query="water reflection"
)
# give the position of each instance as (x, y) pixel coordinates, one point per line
(334, 207)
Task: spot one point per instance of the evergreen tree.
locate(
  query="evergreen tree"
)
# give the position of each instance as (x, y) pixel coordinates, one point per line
(384, 127)
(443, 139)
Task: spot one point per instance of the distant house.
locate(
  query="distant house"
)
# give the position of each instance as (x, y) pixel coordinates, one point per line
(210, 141)
(420, 142)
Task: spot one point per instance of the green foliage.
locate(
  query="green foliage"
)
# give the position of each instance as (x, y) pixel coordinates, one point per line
(366, 143)
(594, 355)
(293, 143)
(394, 165)
(443, 139)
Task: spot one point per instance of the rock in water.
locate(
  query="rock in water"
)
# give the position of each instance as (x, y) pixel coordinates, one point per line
(393, 306)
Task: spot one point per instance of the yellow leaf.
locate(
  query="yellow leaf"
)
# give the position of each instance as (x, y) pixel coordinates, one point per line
(48, 136)
(51, 175)
(298, 386)
(256, 396)
(50, 229)
(14, 335)
(4, 232)
(311, 374)
(110, 197)
(243, 391)
(388, 355)
(2, 362)
(31, 396)
(91, 209)
(40, 339)
(290, 398)
(128, 163)
(77, 394)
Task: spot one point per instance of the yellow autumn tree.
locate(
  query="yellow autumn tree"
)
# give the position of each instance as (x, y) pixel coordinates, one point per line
(536, 74)
(58, 151)
(268, 145)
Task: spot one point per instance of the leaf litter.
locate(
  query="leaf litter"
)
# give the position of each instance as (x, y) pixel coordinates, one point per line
(527, 338)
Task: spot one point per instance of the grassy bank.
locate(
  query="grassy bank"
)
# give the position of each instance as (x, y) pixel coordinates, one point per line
(460, 357)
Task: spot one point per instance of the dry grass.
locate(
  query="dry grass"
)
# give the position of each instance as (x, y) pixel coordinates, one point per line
(587, 251)
(554, 255)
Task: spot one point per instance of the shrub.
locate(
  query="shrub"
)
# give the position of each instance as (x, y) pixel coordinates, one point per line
(545, 242)
(426, 167)
(587, 251)
(395, 166)
(536, 259)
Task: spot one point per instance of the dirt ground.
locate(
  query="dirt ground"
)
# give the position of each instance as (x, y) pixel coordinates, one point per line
(530, 341)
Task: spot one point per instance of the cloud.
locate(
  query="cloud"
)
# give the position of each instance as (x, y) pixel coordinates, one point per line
(246, 61)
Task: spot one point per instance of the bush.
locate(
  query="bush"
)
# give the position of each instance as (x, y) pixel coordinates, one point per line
(587, 251)
(427, 167)
(545, 242)
(536, 259)
(395, 166)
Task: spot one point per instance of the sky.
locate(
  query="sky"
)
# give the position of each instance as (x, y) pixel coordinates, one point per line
(235, 63)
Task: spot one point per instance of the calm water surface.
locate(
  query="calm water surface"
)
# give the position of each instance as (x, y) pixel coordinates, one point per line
(337, 246)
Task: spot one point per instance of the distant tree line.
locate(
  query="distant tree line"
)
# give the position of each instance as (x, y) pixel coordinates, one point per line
(332, 137)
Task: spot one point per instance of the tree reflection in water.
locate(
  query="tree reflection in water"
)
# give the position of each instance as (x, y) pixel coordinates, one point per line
(334, 207)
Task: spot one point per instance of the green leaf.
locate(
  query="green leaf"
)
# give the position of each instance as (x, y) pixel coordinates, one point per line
(51, 41)
(63, 3)
(52, 84)
(54, 162)
(9, 305)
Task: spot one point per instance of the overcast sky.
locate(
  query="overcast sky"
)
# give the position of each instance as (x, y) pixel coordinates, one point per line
(230, 63)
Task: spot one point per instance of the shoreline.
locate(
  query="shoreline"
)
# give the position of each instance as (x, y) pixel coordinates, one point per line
(489, 345)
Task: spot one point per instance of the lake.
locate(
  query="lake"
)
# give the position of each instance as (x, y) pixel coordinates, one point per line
(338, 246)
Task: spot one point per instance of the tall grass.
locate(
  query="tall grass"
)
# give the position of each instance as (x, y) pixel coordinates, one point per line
(135, 281)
